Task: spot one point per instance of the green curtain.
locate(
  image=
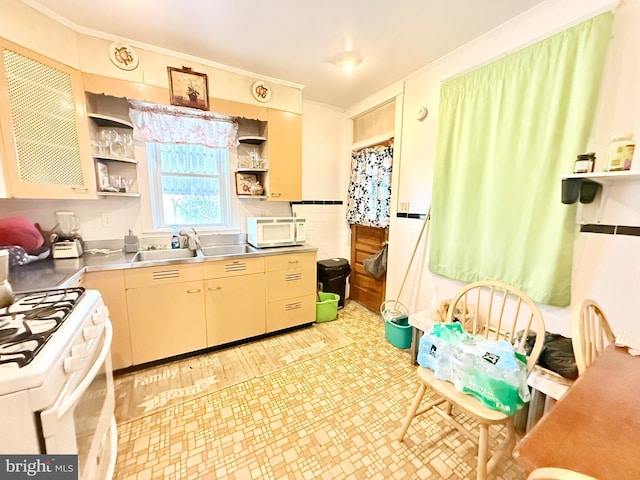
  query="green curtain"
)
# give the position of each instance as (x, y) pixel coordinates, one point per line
(506, 133)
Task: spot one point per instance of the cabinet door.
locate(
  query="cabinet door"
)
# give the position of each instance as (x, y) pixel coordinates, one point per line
(166, 320)
(111, 286)
(291, 313)
(284, 138)
(45, 133)
(235, 308)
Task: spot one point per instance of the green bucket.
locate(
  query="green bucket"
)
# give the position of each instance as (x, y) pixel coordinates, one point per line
(327, 307)
(398, 334)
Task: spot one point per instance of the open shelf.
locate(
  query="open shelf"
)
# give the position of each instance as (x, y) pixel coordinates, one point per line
(252, 139)
(114, 158)
(109, 121)
(605, 177)
(118, 194)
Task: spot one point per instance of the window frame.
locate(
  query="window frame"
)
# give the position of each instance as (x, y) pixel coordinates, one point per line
(156, 195)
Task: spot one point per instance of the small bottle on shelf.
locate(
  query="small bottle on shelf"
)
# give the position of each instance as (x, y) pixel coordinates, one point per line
(584, 163)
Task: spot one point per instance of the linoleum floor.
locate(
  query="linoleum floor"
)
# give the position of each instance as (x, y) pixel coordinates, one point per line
(334, 416)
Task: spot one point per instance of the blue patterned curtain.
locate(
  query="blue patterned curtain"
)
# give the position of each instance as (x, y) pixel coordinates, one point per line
(370, 187)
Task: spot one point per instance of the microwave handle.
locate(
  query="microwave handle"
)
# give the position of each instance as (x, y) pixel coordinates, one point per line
(68, 402)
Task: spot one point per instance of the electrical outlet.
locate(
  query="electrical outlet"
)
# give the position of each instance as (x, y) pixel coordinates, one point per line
(403, 207)
(107, 219)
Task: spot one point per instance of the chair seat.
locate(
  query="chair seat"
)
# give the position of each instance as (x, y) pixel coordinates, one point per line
(463, 401)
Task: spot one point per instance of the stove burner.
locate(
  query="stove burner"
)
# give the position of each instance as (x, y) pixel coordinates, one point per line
(27, 324)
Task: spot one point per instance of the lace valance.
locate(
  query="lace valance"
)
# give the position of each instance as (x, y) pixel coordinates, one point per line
(170, 124)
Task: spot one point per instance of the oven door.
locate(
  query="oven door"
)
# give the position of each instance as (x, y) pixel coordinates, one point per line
(81, 421)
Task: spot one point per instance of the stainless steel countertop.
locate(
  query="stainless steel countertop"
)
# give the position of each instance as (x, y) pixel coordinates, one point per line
(51, 273)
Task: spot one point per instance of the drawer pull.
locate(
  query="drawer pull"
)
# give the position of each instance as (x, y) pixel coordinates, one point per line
(276, 194)
(292, 306)
(294, 261)
(292, 277)
(194, 290)
(213, 289)
(80, 189)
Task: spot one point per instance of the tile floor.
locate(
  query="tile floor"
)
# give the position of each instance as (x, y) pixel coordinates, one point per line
(332, 417)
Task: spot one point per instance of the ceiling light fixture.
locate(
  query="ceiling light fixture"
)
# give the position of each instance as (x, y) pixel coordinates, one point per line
(348, 60)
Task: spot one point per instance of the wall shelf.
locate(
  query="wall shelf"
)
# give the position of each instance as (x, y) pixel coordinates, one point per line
(605, 178)
(117, 194)
(252, 139)
(114, 158)
(109, 121)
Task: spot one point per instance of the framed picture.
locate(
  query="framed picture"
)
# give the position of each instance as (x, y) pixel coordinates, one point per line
(188, 88)
(244, 182)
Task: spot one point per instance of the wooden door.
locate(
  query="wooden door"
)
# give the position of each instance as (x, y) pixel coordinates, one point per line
(364, 289)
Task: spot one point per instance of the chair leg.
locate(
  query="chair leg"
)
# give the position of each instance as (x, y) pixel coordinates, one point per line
(412, 411)
(483, 452)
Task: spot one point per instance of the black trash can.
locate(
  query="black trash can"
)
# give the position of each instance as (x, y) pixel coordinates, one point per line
(332, 276)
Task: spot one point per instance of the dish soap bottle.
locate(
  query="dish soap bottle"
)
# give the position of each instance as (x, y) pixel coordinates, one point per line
(175, 241)
(131, 243)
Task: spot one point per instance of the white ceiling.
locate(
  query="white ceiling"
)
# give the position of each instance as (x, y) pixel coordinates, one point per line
(292, 39)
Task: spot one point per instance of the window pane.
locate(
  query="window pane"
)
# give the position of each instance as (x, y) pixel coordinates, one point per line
(190, 201)
(190, 185)
(190, 159)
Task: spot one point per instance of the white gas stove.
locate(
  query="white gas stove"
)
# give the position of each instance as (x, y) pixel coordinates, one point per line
(56, 382)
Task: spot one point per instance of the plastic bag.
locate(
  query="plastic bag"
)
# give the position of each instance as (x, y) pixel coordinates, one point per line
(557, 354)
(491, 372)
(376, 264)
(435, 350)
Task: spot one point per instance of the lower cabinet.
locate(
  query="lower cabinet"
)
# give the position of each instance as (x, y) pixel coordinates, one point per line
(291, 281)
(110, 283)
(160, 312)
(166, 311)
(235, 308)
(235, 300)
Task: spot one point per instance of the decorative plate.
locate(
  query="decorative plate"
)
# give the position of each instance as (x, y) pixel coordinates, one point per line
(261, 91)
(123, 56)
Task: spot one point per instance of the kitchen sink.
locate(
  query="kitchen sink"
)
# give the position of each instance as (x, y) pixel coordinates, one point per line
(173, 254)
(217, 250)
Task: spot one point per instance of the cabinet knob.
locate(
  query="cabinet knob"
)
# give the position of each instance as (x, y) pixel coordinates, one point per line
(212, 289)
(276, 194)
(194, 290)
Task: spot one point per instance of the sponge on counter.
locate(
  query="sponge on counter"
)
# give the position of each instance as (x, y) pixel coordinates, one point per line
(21, 232)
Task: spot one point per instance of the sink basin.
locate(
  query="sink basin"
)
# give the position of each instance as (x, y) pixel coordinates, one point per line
(217, 250)
(173, 254)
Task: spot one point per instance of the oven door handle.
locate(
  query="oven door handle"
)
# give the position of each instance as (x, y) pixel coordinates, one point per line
(71, 400)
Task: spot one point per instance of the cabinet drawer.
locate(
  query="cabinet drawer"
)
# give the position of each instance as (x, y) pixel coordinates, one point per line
(290, 283)
(291, 262)
(291, 312)
(231, 268)
(166, 274)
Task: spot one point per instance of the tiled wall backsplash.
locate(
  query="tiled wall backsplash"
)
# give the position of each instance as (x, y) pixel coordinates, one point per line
(326, 227)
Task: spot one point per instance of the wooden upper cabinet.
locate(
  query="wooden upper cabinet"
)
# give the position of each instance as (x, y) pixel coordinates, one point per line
(44, 127)
(284, 136)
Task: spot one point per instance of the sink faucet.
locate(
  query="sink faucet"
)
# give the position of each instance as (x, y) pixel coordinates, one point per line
(192, 240)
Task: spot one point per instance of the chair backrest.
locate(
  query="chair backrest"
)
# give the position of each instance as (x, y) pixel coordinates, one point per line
(552, 473)
(590, 334)
(499, 311)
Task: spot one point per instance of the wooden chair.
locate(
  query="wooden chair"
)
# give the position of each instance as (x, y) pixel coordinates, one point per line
(590, 334)
(498, 312)
(552, 473)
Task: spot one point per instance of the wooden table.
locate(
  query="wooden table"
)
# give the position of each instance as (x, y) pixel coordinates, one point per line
(595, 427)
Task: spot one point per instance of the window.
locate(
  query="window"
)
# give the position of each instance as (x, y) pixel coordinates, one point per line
(189, 185)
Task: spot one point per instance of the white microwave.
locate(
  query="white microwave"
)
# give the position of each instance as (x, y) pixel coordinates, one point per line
(275, 231)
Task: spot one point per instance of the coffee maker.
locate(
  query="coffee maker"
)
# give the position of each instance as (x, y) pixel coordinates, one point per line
(66, 242)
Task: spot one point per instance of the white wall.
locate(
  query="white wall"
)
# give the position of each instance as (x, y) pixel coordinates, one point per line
(606, 268)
